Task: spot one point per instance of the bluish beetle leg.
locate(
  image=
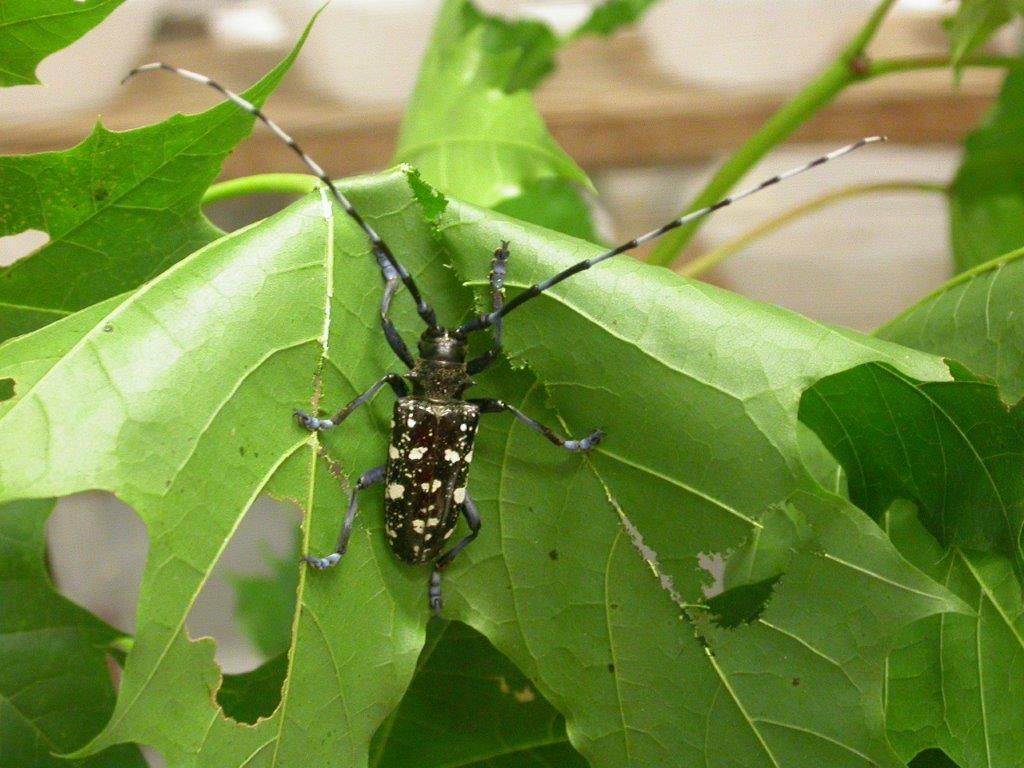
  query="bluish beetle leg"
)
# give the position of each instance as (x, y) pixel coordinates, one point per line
(373, 477)
(499, 267)
(487, 405)
(312, 423)
(472, 515)
(392, 280)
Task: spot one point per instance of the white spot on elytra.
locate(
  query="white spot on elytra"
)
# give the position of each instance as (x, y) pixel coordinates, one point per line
(435, 485)
(469, 457)
(391, 532)
(417, 453)
(459, 495)
(411, 422)
(392, 452)
(425, 486)
(395, 491)
(451, 455)
(433, 521)
(463, 427)
(448, 533)
(417, 525)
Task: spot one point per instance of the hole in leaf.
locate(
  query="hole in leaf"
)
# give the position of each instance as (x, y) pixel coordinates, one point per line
(247, 602)
(15, 247)
(467, 690)
(153, 758)
(97, 547)
(233, 214)
(932, 758)
(6, 389)
(713, 565)
(743, 604)
(248, 696)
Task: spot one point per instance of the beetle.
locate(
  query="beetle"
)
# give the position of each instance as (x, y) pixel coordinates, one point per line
(434, 426)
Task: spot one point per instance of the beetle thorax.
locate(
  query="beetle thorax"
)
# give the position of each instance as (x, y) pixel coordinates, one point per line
(440, 372)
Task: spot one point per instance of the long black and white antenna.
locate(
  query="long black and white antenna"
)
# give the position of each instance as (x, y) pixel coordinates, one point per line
(484, 321)
(380, 248)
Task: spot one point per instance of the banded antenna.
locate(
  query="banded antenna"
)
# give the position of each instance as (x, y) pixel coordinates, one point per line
(484, 321)
(380, 248)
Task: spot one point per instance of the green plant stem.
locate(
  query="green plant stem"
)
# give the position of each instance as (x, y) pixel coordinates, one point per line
(918, 63)
(716, 256)
(850, 67)
(263, 184)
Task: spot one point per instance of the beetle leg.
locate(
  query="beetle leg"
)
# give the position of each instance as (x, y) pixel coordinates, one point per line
(373, 477)
(487, 405)
(469, 511)
(312, 423)
(499, 267)
(391, 283)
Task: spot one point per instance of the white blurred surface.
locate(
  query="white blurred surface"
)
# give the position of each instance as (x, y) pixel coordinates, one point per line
(763, 43)
(97, 548)
(858, 263)
(362, 51)
(84, 76)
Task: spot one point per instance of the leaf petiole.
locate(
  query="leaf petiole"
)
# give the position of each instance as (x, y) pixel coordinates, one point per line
(261, 184)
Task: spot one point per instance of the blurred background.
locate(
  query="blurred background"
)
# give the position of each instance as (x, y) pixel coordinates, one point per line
(649, 114)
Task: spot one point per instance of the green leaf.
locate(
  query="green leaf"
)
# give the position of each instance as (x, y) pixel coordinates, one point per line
(702, 441)
(975, 22)
(950, 447)
(469, 706)
(973, 319)
(586, 572)
(954, 681)
(475, 706)
(120, 208)
(55, 687)
(555, 204)
(987, 198)
(30, 30)
(611, 15)
(954, 451)
(472, 128)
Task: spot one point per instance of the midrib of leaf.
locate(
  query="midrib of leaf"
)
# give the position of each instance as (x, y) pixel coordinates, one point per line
(756, 525)
(626, 730)
(819, 736)
(987, 593)
(327, 209)
(612, 646)
(44, 310)
(873, 575)
(800, 641)
(28, 721)
(739, 706)
(981, 681)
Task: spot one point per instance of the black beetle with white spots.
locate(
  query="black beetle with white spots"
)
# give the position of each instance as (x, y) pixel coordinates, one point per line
(434, 426)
